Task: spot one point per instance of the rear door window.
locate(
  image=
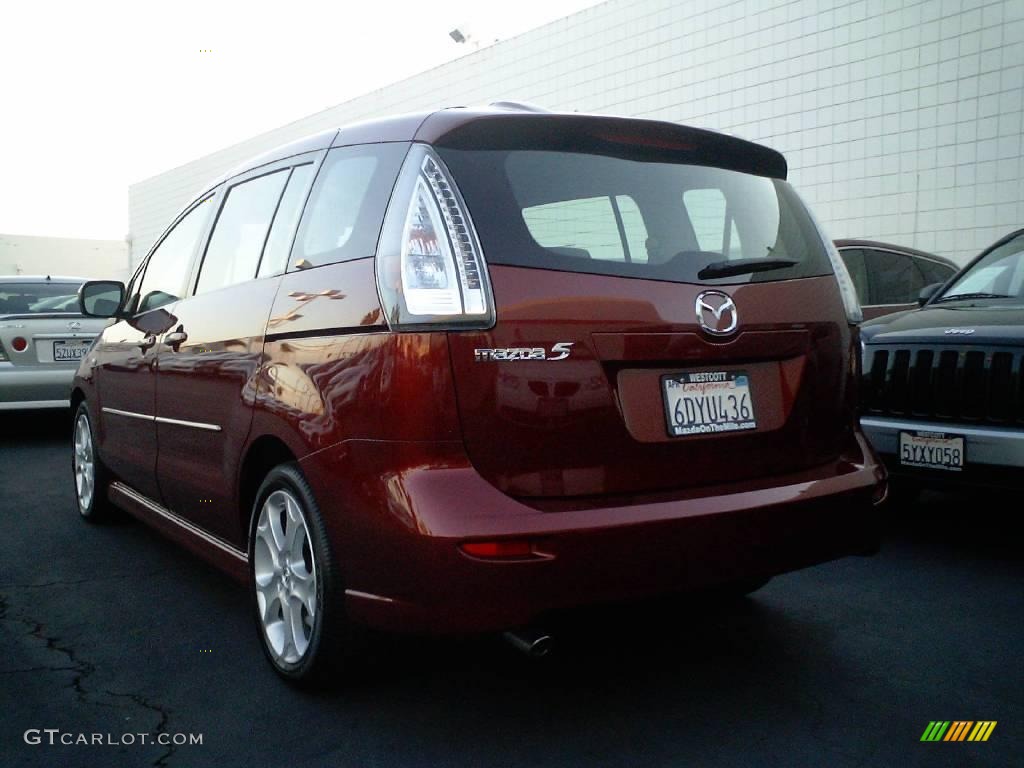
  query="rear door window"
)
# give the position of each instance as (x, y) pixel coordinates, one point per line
(235, 247)
(894, 277)
(279, 241)
(346, 206)
(631, 217)
(934, 272)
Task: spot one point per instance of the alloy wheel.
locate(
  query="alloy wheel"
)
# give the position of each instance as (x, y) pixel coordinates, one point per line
(85, 463)
(286, 577)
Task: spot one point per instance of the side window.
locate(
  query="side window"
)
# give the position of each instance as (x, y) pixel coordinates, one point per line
(236, 244)
(346, 207)
(853, 258)
(588, 228)
(706, 209)
(934, 272)
(279, 242)
(894, 277)
(168, 267)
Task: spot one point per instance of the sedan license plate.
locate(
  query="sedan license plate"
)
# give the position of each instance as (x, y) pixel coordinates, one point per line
(708, 402)
(68, 351)
(932, 450)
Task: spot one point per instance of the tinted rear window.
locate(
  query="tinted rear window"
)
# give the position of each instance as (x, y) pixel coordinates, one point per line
(38, 298)
(615, 215)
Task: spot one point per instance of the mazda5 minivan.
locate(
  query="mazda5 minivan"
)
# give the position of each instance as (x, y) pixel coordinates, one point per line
(458, 371)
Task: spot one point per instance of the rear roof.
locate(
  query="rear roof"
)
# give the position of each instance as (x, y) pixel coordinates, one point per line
(469, 126)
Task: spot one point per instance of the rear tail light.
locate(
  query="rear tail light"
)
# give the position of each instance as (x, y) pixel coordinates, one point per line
(431, 272)
(847, 291)
(19, 344)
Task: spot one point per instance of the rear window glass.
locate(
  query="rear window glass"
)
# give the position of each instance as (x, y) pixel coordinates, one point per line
(603, 214)
(38, 298)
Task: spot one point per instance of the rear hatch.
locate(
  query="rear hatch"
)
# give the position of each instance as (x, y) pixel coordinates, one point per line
(667, 316)
(40, 324)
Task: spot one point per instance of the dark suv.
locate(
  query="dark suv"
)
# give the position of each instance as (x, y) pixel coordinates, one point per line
(944, 385)
(453, 371)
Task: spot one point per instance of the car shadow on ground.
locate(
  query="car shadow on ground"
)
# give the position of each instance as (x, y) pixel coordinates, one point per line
(35, 426)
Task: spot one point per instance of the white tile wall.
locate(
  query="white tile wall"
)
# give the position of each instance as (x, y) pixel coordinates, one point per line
(901, 120)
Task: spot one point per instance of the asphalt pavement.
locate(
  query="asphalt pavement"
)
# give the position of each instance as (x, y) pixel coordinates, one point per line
(112, 633)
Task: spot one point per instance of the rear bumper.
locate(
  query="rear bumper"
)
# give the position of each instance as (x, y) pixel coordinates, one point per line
(994, 455)
(35, 387)
(396, 514)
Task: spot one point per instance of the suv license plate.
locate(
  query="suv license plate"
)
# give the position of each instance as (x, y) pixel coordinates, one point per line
(932, 450)
(67, 351)
(708, 402)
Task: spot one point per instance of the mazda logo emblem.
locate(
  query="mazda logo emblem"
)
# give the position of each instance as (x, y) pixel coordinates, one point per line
(74, 325)
(716, 313)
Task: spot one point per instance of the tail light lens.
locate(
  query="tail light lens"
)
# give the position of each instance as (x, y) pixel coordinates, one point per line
(847, 290)
(19, 344)
(431, 272)
(3, 353)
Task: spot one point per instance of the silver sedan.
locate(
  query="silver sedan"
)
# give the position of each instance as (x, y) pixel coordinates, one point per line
(43, 336)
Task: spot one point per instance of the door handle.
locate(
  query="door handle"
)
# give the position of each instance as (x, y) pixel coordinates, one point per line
(175, 339)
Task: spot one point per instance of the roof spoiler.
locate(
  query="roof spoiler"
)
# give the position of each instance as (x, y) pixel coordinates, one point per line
(636, 139)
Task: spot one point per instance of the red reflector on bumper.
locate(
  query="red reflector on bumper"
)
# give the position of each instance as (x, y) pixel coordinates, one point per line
(497, 549)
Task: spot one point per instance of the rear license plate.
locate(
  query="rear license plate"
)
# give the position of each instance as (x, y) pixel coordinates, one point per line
(932, 450)
(65, 351)
(707, 403)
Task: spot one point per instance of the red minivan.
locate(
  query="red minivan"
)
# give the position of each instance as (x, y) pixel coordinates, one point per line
(453, 372)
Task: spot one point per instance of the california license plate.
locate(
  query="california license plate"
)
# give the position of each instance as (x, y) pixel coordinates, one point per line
(932, 450)
(707, 403)
(64, 351)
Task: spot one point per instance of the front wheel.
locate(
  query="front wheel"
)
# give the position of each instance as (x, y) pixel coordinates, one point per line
(295, 582)
(91, 477)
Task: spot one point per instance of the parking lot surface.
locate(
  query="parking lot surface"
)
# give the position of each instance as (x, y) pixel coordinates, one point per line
(112, 630)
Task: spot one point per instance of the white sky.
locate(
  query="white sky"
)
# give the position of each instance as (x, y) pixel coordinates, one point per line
(97, 95)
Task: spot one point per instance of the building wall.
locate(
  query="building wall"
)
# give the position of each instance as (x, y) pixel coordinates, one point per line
(901, 121)
(30, 255)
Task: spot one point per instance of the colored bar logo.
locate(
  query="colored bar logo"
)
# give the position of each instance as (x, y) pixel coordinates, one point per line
(958, 730)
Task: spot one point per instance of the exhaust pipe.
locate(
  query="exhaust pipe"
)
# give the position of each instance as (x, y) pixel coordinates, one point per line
(532, 642)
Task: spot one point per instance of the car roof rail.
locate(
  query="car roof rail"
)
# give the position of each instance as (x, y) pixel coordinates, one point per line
(517, 106)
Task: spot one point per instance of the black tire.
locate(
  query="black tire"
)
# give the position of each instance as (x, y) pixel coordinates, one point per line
(95, 507)
(332, 640)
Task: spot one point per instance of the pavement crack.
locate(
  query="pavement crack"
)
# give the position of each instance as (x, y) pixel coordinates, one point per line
(82, 670)
(161, 727)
